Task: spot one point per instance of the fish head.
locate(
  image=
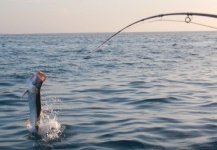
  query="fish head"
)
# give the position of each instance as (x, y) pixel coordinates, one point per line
(35, 81)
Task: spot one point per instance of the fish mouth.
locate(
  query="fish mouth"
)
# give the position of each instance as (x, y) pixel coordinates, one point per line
(41, 76)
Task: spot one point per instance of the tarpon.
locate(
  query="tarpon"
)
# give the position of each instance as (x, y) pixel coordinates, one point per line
(34, 84)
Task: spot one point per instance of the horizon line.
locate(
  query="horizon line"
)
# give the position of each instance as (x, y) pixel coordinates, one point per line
(107, 32)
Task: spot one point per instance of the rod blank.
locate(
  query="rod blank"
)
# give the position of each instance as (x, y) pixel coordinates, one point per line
(160, 16)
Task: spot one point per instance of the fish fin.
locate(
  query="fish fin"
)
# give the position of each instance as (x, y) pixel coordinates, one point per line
(29, 125)
(28, 122)
(27, 91)
(41, 114)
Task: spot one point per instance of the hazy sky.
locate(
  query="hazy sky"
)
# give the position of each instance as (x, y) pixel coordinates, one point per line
(74, 16)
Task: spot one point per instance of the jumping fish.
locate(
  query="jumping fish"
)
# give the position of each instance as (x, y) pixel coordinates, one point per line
(34, 84)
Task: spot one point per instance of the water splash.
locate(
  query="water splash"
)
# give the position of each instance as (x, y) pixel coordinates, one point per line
(49, 128)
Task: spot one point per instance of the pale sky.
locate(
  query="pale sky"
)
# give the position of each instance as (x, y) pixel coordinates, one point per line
(81, 16)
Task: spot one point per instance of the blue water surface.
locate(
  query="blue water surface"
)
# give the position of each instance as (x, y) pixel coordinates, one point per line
(154, 91)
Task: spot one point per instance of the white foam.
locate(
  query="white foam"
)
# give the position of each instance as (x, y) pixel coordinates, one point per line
(49, 127)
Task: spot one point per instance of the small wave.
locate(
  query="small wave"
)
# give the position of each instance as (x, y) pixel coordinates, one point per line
(137, 82)
(168, 120)
(99, 50)
(148, 58)
(114, 100)
(50, 42)
(82, 50)
(98, 90)
(128, 144)
(209, 105)
(151, 103)
(87, 57)
(154, 100)
(144, 47)
(5, 84)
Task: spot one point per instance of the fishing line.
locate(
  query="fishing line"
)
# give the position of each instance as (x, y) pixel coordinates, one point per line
(203, 25)
(200, 24)
(166, 20)
(188, 19)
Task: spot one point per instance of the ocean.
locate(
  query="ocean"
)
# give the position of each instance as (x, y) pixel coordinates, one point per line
(152, 91)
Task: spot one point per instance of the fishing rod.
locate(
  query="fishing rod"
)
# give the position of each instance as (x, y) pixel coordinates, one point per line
(188, 19)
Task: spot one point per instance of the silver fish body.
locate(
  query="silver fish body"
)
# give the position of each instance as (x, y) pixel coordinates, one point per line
(34, 109)
(34, 100)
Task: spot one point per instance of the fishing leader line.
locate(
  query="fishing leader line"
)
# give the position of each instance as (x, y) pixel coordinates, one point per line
(191, 22)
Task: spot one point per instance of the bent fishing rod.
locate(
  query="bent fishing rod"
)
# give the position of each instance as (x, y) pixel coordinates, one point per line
(187, 20)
